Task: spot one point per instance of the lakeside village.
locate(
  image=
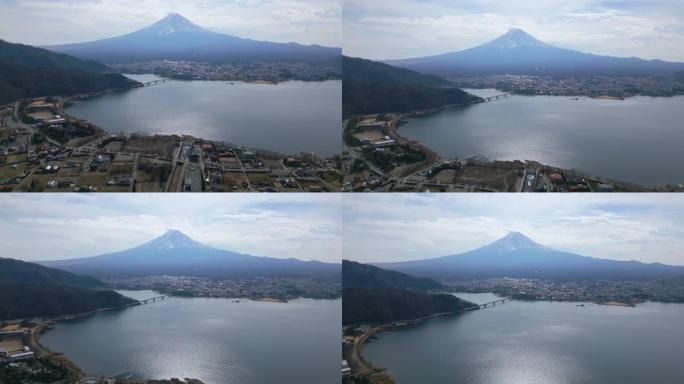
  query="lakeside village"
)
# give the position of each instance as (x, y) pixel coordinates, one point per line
(44, 149)
(260, 72)
(254, 288)
(612, 292)
(24, 360)
(606, 87)
(376, 158)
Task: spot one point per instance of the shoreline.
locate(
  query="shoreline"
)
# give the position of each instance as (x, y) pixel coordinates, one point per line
(103, 132)
(365, 368)
(75, 373)
(394, 120)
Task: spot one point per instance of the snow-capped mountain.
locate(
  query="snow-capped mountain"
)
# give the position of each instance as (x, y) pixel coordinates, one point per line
(173, 23)
(515, 38)
(176, 254)
(517, 52)
(516, 255)
(513, 241)
(173, 239)
(176, 38)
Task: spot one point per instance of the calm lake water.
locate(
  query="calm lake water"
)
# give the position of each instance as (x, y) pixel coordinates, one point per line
(215, 340)
(635, 140)
(290, 117)
(539, 343)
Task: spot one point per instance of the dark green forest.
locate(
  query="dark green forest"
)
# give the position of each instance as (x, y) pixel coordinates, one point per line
(369, 87)
(361, 305)
(27, 71)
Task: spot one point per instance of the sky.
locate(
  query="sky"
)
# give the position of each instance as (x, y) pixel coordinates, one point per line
(53, 227)
(48, 22)
(396, 29)
(401, 227)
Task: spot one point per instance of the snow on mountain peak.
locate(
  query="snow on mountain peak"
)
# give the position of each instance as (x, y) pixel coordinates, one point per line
(172, 23)
(515, 38)
(173, 239)
(514, 241)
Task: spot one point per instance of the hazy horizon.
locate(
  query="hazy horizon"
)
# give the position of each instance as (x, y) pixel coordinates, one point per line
(42, 22)
(55, 227)
(414, 28)
(648, 227)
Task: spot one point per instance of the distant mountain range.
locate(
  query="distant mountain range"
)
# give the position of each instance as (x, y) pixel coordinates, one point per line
(31, 290)
(373, 87)
(517, 52)
(176, 38)
(176, 254)
(516, 255)
(374, 295)
(27, 71)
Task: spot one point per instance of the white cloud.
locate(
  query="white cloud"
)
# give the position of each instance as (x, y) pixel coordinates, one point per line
(410, 28)
(53, 227)
(43, 22)
(643, 227)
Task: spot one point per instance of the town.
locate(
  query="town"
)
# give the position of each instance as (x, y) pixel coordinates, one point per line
(617, 292)
(618, 87)
(269, 72)
(376, 158)
(282, 289)
(44, 149)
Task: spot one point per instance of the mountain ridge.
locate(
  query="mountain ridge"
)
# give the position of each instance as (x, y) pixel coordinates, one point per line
(519, 53)
(516, 255)
(174, 253)
(176, 38)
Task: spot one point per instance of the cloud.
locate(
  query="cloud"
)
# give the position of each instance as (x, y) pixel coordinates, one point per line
(43, 22)
(410, 28)
(645, 227)
(53, 227)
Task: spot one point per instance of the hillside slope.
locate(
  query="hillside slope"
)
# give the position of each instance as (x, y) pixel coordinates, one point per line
(357, 275)
(371, 87)
(30, 290)
(361, 305)
(27, 71)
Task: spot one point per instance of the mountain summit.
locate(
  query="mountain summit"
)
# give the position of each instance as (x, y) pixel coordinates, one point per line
(519, 53)
(173, 239)
(176, 38)
(173, 23)
(516, 255)
(176, 254)
(515, 38)
(514, 241)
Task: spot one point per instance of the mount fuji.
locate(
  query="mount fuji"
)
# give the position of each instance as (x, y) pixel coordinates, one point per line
(516, 255)
(176, 254)
(176, 38)
(519, 53)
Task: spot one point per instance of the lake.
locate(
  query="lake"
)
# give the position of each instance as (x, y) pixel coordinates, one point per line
(638, 140)
(289, 117)
(215, 340)
(538, 343)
